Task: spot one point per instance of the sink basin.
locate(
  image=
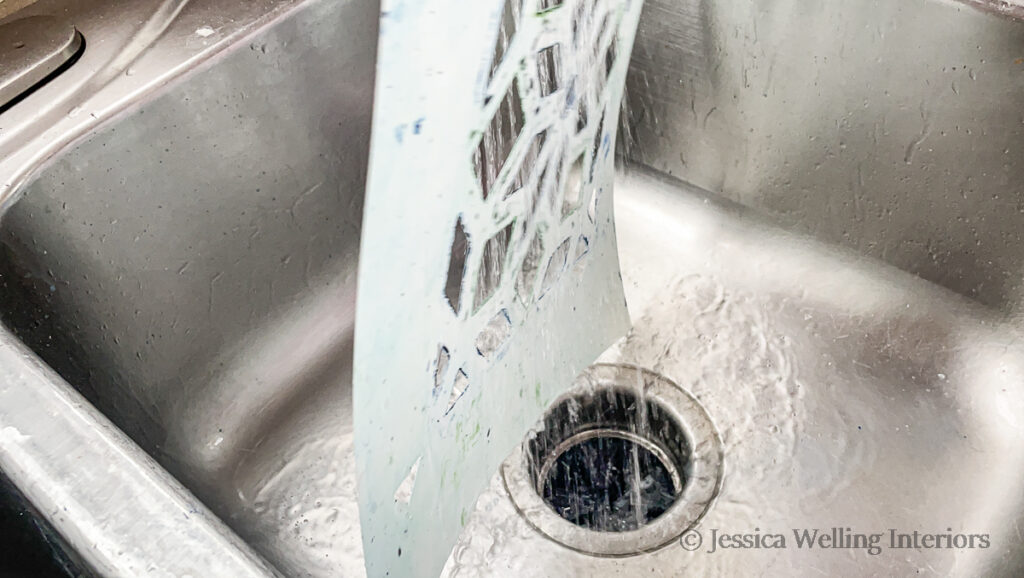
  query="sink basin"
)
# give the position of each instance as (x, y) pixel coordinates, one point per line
(848, 394)
(836, 282)
(187, 264)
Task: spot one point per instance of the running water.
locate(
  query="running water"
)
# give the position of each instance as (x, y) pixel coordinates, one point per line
(596, 463)
(690, 334)
(606, 483)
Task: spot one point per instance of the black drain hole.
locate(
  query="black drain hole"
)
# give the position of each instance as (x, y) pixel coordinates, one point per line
(609, 460)
(609, 484)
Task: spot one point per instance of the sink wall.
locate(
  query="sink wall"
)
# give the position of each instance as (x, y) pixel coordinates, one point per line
(207, 231)
(893, 128)
(190, 266)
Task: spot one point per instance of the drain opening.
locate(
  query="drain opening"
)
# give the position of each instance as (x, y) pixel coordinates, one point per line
(609, 484)
(622, 464)
(609, 461)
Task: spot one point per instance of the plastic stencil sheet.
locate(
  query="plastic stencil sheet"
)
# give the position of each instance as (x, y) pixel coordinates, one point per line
(488, 275)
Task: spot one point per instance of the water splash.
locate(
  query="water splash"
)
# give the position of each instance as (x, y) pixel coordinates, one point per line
(731, 350)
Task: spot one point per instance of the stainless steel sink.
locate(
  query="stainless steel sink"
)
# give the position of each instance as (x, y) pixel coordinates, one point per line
(848, 394)
(833, 268)
(180, 246)
(891, 128)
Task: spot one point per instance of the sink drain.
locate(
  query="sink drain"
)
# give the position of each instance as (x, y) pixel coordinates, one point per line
(622, 464)
(610, 483)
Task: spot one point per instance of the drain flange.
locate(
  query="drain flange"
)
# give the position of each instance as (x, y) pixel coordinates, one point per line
(622, 464)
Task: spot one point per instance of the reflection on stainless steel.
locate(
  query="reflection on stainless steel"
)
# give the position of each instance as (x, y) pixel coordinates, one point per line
(134, 49)
(123, 514)
(181, 216)
(31, 49)
(189, 265)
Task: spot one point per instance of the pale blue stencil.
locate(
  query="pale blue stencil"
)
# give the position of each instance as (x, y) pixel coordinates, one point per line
(488, 269)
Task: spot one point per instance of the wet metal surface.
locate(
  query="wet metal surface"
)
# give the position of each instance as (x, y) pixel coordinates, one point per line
(198, 286)
(190, 266)
(891, 128)
(848, 394)
(119, 513)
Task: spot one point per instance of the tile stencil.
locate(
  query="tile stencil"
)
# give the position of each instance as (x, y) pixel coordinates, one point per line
(488, 273)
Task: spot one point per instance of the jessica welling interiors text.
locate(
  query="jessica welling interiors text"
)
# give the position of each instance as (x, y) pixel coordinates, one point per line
(836, 538)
